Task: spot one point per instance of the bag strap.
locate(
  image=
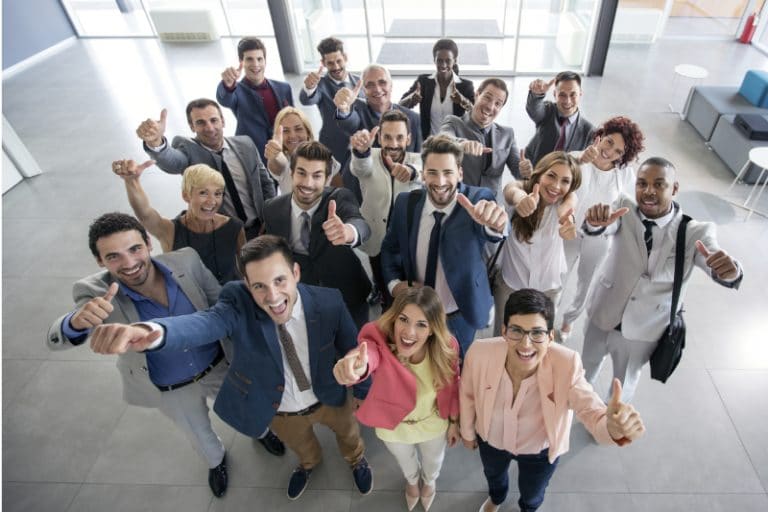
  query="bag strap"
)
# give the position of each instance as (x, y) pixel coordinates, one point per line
(492, 263)
(679, 261)
(410, 212)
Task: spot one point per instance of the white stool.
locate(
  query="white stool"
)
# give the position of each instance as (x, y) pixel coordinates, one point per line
(759, 157)
(692, 72)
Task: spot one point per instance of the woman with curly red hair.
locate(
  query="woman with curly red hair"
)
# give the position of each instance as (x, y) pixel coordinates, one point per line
(606, 173)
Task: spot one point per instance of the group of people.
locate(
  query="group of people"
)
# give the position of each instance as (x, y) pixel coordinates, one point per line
(260, 301)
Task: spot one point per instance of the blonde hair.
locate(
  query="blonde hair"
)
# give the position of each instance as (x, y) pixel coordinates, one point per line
(524, 227)
(302, 116)
(442, 354)
(200, 175)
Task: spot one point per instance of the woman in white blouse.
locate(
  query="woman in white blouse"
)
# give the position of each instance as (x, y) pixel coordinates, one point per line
(606, 173)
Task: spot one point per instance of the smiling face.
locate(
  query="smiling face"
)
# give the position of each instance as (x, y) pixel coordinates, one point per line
(610, 150)
(444, 61)
(441, 176)
(525, 355)
(203, 202)
(309, 177)
(336, 64)
(655, 189)
(411, 333)
(208, 126)
(488, 105)
(254, 64)
(273, 285)
(568, 95)
(394, 138)
(555, 183)
(294, 132)
(126, 256)
(378, 89)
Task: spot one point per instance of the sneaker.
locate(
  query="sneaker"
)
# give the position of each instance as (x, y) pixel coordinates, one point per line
(298, 482)
(363, 476)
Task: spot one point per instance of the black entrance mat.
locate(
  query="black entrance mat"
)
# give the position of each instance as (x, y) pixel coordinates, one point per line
(453, 28)
(421, 53)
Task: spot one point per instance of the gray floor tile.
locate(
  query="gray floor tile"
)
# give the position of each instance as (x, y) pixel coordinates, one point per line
(699, 502)
(238, 499)
(38, 496)
(16, 374)
(141, 498)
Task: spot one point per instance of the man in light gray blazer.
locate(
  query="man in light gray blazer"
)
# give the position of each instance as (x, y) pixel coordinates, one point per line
(560, 126)
(248, 185)
(488, 147)
(630, 303)
(135, 287)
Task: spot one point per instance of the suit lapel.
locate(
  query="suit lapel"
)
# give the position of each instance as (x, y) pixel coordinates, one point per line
(283, 220)
(312, 318)
(414, 230)
(668, 242)
(316, 233)
(545, 380)
(189, 288)
(237, 149)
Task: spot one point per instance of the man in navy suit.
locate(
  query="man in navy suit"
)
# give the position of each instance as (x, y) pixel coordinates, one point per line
(287, 337)
(432, 242)
(255, 100)
(321, 89)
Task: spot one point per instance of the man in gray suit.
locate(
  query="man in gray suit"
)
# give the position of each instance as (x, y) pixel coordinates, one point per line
(559, 125)
(135, 287)
(630, 303)
(488, 147)
(236, 158)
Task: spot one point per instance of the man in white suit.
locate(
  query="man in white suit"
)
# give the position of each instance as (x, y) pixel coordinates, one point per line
(630, 304)
(384, 173)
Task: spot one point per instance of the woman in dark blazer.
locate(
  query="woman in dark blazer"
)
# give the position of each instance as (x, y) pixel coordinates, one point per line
(441, 93)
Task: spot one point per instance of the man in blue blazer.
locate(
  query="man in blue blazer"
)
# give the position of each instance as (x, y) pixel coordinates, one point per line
(255, 100)
(287, 337)
(321, 89)
(430, 241)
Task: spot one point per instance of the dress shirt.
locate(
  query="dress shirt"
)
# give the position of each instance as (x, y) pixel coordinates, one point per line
(296, 221)
(268, 98)
(518, 426)
(440, 109)
(426, 223)
(294, 399)
(572, 120)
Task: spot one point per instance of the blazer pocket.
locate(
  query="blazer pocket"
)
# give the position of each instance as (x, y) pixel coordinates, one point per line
(236, 383)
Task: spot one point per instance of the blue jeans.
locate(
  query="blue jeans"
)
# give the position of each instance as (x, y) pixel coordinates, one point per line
(535, 472)
(462, 331)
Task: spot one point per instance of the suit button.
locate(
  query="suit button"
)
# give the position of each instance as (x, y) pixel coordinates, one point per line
(275, 405)
(281, 388)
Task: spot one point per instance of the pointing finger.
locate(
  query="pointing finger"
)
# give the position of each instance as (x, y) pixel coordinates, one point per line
(111, 292)
(702, 249)
(331, 209)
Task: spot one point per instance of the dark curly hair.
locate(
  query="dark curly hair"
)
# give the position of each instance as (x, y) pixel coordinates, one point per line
(111, 223)
(630, 131)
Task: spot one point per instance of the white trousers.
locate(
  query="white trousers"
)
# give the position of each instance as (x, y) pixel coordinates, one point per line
(187, 408)
(588, 253)
(432, 453)
(501, 293)
(628, 357)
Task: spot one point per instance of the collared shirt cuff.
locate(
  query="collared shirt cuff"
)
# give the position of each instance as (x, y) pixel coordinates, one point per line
(357, 236)
(500, 234)
(154, 326)
(391, 285)
(159, 148)
(357, 154)
(310, 92)
(414, 171)
(69, 331)
(342, 115)
(591, 230)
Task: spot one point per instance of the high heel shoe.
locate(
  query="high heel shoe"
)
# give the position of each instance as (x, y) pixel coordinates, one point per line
(426, 501)
(411, 501)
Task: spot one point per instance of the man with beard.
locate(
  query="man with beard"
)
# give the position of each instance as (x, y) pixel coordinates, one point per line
(383, 173)
(236, 158)
(135, 287)
(255, 100)
(322, 224)
(321, 89)
(433, 241)
(630, 303)
(488, 147)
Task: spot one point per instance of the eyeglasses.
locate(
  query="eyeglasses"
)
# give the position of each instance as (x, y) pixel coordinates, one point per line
(515, 333)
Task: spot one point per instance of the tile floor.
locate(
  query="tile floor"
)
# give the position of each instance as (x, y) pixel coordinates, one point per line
(71, 444)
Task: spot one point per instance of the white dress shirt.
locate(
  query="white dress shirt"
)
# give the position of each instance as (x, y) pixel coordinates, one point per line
(426, 223)
(440, 109)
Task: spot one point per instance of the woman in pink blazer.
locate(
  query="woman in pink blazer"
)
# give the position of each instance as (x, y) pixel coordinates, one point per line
(413, 401)
(518, 395)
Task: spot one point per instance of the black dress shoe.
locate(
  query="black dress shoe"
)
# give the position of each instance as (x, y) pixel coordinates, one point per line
(217, 478)
(298, 482)
(272, 444)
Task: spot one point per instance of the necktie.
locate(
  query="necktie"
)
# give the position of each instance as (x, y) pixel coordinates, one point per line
(292, 357)
(433, 252)
(564, 122)
(231, 189)
(304, 234)
(648, 235)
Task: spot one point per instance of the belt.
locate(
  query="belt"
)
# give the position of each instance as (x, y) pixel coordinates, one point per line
(216, 360)
(304, 412)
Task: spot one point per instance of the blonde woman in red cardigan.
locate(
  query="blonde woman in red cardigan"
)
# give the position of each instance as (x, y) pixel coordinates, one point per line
(413, 402)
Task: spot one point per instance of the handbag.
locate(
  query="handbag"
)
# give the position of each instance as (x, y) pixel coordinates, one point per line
(669, 349)
(492, 269)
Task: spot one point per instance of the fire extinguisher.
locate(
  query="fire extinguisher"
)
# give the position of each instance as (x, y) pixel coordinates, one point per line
(749, 29)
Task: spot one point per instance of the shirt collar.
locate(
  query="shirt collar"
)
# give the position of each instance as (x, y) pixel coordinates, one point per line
(136, 296)
(264, 84)
(454, 77)
(297, 210)
(571, 118)
(298, 308)
(224, 145)
(475, 126)
(664, 220)
(429, 207)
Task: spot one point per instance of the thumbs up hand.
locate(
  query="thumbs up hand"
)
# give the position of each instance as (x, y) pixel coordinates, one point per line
(313, 78)
(529, 203)
(601, 215)
(623, 421)
(152, 131)
(400, 172)
(567, 225)
(362, 140)
(121, 338)
(231, 75)
(274, 147)
(525, 166)
(336, 231)
(540, 87)
(128, 170)
(723, 266)
(459, 99)
(412, 99)
(352, 366)
(590, 154)
(95, 311)
(486, 213)
(475, 148)
(345, 97)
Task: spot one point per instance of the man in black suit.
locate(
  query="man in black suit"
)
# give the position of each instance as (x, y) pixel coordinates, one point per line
(559, 125)
(236, 158)
(322, 225)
